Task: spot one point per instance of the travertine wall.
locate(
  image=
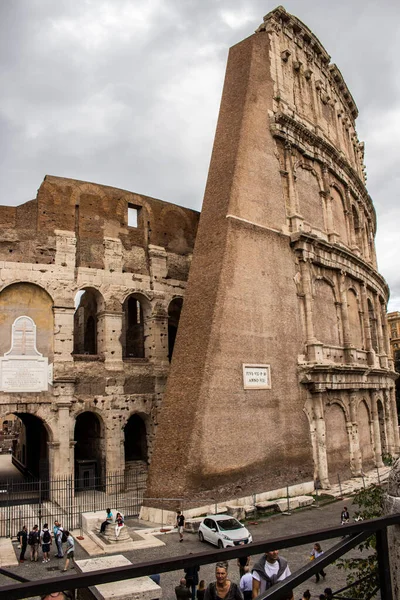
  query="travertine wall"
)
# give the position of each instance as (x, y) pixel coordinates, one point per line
(283, 273)
(75, 237)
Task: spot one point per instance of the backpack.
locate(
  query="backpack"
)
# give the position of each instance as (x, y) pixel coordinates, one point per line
(64, 537)
(46, 536)
(32, 538)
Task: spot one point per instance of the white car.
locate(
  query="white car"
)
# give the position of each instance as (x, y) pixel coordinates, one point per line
(224, 531)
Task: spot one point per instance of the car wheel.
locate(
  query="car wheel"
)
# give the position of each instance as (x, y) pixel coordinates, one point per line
(220, 544)
(201, 536)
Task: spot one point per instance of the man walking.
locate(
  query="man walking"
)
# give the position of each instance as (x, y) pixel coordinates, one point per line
(70, 551)
(180, 523)
(23, 541)
(267, 571)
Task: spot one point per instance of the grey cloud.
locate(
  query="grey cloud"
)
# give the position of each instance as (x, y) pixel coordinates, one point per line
(94, 91)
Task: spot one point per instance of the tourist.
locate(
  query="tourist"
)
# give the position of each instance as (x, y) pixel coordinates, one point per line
(246, 583)
(328, 594)
(60, 537)
(322, 597)
(344, 516)
(222, 588)
(45, 540)
(315, 553)
(180, 523)
(242, 562)
(181, 591)
(33, 542)
(268, 570)
(119, 524)
(156, 577)
(23, 541)
(70, 551)
(109, 519)
(201, 590)
(306, 595)
(192, 578)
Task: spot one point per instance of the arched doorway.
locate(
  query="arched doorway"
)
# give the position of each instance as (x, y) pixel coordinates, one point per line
(364, 434)
(24, 448)
(174, 314)
(337, 443)
(136, 451)
(90, 456)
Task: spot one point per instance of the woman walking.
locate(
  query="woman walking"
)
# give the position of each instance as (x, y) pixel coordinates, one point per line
(315, 553)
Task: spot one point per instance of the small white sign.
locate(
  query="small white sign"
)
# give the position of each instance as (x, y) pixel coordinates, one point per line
(256, 377)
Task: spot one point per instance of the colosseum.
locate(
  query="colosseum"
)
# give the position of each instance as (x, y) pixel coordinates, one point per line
(281, 370)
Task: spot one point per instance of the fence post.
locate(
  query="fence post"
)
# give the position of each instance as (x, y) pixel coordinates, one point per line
(379, 479)
(382, 548)
(316, 494)
(340, 487)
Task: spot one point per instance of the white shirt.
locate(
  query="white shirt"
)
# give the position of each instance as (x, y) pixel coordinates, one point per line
(246, 582)
(270, 570)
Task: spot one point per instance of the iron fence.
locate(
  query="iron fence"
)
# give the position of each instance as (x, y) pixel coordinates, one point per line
(353, 536)
(37, 501)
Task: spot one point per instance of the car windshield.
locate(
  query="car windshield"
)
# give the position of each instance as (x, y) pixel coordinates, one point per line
(229, 524)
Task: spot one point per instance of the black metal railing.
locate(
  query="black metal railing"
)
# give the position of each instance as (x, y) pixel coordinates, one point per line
(36, 501)
(353, 535)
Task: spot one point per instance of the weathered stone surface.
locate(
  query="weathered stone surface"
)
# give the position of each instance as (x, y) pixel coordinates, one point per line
(283, 275)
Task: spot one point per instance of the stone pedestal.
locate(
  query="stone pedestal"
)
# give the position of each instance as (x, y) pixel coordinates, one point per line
(140, 588)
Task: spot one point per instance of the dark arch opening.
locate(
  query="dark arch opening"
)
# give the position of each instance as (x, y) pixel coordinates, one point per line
(134, 328)
(24, 439)
(89, 452)
(174, 314)
(135, 439)
(85, 323)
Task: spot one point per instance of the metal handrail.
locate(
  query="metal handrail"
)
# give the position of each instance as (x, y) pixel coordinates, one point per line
(354, 535)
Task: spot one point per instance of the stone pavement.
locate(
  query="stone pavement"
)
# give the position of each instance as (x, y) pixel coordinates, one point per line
(275, 526)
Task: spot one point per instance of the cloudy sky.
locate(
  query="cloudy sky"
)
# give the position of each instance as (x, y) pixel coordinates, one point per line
(126, 93)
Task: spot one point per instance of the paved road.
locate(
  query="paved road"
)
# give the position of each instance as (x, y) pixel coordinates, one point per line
(276, 526)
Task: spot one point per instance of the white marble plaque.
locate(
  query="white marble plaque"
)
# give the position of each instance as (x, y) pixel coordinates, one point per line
(23, 368)
(256, 377)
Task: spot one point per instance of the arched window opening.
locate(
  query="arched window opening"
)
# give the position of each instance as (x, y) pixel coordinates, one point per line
(85, 322)
(135, 439)
(89, 452)
(372, 325)
(134, 328)
(174, 314)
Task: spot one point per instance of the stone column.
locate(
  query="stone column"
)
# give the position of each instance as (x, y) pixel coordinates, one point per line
(389, 422)
(157, 327)
(376, 431)
(381, 340)
(109, 345)
(367, 327)
(320, 431)
(345, 318)
(352, 430)
(395, 422)
(314, 348)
